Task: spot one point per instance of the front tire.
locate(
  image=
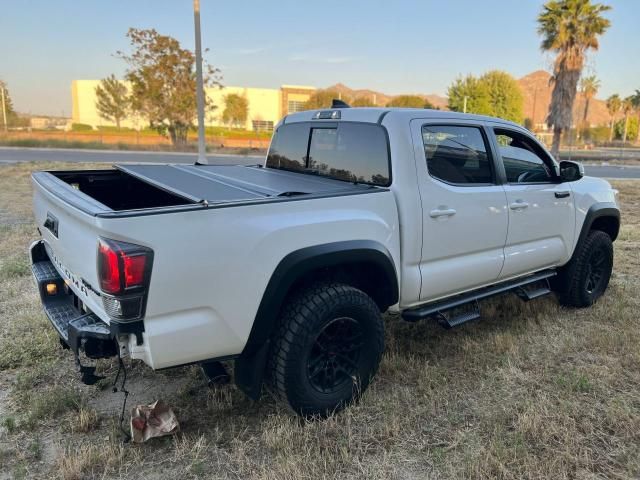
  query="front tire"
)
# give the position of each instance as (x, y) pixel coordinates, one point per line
(327, 348)
(586, 277)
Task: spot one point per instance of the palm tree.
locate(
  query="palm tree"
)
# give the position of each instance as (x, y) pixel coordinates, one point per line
(589, 87)
(627, 108)
(614, 104)
(635, 102)
(570, 28)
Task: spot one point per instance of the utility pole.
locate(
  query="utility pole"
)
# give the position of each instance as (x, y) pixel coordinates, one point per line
(464, 107)
(202, 157)
(4, 108)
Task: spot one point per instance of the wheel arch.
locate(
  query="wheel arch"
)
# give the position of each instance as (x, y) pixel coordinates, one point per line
(365, 264)
(603, 216)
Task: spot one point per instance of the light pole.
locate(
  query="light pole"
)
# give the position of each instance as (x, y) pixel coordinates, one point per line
(464, 107)
(202, 157)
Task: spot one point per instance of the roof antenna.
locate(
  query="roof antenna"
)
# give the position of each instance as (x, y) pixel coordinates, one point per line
(335, 103)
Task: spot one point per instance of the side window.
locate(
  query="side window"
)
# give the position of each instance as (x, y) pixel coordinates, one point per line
(523, 161)
(457, 154)
(352, 152)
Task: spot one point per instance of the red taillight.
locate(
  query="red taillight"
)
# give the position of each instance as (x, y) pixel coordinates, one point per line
(122, 266)
(134, 270)
(108, 268)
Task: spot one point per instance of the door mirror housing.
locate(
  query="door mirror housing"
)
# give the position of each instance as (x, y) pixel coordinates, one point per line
(571, 171)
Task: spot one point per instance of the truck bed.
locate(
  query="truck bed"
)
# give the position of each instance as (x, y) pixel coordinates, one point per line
(138, 188)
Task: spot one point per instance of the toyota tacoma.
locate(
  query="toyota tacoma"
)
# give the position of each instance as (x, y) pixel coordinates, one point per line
(285, 268)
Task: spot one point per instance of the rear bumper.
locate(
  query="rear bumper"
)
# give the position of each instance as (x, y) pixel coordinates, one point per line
(78, 328)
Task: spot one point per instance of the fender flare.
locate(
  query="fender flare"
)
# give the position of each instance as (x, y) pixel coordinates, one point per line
(599, 210)
(250, 365)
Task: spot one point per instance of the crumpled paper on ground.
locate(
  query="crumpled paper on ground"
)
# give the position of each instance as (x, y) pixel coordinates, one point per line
(154, 420)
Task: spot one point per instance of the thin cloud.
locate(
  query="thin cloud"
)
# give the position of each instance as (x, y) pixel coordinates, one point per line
(304, 57)
(338, 60)
(251, 51)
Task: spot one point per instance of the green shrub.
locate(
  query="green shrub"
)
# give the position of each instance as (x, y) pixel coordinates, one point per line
(81, 127)
(632, 129)
(113, 129)
(598, 134)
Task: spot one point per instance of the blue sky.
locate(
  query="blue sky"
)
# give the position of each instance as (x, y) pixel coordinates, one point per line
(392, 46)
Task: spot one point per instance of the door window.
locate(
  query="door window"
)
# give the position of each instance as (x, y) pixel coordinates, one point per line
(524, 161)
(457, 154)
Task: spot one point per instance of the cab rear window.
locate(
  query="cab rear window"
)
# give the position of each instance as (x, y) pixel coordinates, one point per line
(348, 151)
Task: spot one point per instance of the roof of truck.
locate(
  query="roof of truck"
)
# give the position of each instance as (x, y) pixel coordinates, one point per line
(377, 114)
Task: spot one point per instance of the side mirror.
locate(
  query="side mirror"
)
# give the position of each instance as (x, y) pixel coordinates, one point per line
(571, 171)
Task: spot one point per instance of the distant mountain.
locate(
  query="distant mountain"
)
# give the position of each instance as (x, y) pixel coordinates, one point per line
(536, 89)
(382, 99)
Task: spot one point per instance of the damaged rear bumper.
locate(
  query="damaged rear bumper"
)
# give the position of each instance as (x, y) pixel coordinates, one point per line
(78, 328)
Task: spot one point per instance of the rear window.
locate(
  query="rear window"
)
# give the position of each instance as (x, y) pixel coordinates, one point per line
(353, 152)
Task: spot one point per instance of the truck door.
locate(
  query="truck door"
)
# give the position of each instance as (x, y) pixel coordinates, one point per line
(464, 207)
(541, 209)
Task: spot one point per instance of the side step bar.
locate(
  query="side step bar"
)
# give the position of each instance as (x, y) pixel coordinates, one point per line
(527, 288)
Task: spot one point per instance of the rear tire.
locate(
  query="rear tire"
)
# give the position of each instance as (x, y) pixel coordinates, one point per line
(326, 350)
(586, 277)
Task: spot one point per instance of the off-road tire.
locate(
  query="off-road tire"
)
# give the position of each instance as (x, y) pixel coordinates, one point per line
(572, 284)
(306, 318)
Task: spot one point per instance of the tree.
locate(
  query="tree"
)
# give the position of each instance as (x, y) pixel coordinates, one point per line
(614, 104)
(635, 103)
(570, 28)
(323, 99)
(627, 108)
(163, 82)
(630, 125)
(495, 93)
(475, 92)
(589, 87)
(12, 117)
(362, 102)
(505, 96)
(112, 100)
(409, 101)
(236, 110)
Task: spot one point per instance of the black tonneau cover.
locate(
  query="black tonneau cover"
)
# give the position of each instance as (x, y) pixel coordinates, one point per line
(234, 183)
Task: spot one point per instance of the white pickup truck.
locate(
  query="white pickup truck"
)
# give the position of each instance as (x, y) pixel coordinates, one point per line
(285, 268)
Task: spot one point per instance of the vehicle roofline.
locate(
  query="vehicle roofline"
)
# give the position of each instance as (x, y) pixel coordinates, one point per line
(384, 113)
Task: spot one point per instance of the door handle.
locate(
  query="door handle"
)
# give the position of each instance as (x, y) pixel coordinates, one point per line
(563, 194)
(442, 212)
(518, 205)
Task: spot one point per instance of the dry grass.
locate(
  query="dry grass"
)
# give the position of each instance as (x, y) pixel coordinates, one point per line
(532, 391)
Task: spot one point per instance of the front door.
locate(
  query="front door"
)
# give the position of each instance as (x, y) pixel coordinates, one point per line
(541, 209)
(464, 210)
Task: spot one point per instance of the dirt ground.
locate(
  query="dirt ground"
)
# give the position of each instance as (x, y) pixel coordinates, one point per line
(533, 390)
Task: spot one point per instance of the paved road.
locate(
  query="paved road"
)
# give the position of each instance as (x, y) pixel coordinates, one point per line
(13, 155)
(612, 171)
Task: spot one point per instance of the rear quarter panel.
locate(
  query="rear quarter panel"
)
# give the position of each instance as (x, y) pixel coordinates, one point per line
(212, 266)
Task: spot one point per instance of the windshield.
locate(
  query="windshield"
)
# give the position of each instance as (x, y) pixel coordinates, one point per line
(348, 151)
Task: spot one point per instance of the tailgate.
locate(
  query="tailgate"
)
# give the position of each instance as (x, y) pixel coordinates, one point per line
(67, 221)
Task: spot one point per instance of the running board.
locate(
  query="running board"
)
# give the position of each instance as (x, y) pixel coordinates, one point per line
(450, 319)
(440, 308)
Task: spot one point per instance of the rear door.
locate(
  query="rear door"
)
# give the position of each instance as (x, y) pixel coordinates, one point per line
(463, 207)
(541, 209)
